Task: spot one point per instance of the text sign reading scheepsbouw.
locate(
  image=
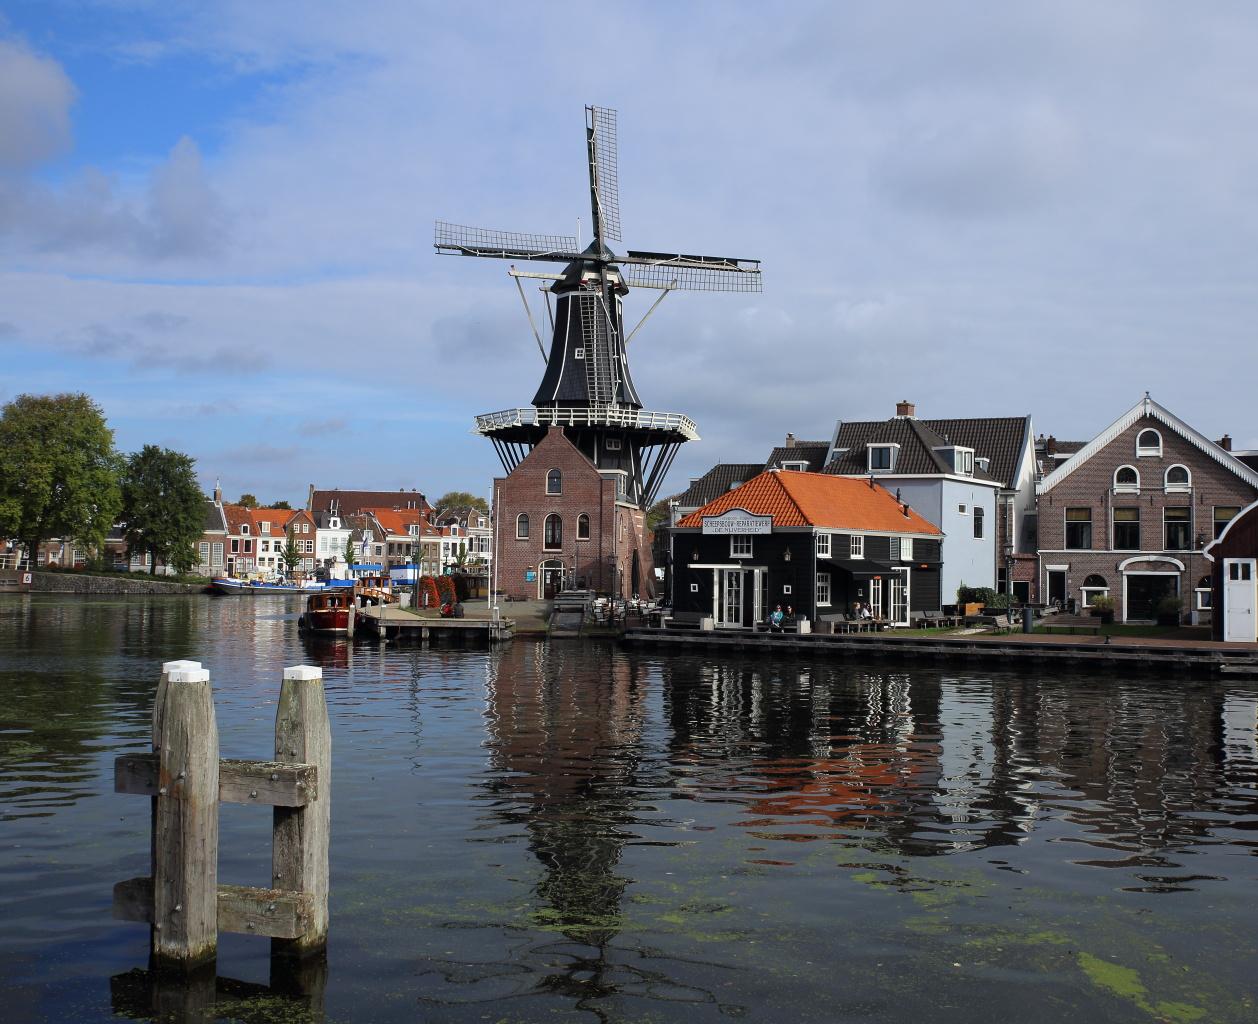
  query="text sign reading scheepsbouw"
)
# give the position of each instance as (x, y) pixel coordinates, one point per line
(737, 520)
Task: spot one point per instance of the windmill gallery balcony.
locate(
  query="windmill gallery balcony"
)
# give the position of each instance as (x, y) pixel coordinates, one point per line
(527, 421)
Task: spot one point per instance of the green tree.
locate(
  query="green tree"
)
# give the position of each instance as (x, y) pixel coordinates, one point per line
(462, 499)
(460, 558)
(290, 555)
(248, 501)
(349, 554)
(657, 515)
(163, 507)
(58, 471)
(280, 504)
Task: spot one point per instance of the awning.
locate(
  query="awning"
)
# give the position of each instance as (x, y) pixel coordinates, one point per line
(858, 568)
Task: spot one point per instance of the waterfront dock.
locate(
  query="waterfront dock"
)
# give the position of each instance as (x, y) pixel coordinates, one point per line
(1194, 657)
(394, 624)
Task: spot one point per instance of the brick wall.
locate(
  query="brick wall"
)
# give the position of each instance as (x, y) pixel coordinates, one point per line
(1092, 486)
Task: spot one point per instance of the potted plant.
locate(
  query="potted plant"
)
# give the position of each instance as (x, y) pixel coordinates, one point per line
(1168, 610)
(1103, 608)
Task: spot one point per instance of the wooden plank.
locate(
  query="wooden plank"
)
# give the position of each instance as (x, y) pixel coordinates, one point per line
(266, 783)
(185, 868)
(241, 909)
(299, 835)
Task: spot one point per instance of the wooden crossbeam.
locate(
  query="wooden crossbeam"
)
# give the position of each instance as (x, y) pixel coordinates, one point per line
(242, 909)
(265, 783)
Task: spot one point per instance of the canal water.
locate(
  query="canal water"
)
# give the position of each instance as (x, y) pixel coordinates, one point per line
(572, 832)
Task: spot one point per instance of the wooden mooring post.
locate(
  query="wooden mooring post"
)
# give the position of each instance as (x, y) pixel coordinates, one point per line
(187, 780)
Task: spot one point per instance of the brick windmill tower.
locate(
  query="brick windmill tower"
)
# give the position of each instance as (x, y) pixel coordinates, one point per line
(585, 461)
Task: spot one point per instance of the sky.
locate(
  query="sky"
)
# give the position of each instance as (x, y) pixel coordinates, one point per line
(216, 218)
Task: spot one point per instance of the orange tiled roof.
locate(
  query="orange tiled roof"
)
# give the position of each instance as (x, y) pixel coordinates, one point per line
(817, 499)
(397, 521)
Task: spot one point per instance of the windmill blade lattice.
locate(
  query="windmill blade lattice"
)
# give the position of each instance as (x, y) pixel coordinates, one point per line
(601, 121)
(506, 245)
(691, 273)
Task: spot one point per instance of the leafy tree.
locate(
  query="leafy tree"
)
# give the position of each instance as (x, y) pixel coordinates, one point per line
(163, 507)
(290, 556)
(349, 554)
(462, 499)
(280, 504)
(58, 471)
(657, 514)
(248, 501)
(460, 558)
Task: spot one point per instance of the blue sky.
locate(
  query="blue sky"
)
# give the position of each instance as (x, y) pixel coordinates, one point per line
(216, 218)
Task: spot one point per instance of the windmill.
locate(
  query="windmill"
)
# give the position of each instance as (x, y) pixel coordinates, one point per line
(586, 388)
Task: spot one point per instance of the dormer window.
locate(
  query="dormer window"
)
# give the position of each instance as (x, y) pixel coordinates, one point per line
(796, 467)
(244, 529)
(960, 459)
(982, 462)
(1126, 480)
(882, 457)
(1178, 479)
(1148, 443)
(266, 526)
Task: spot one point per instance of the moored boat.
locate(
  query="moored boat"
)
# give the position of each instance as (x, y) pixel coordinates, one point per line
(231, 585)
(329, 613)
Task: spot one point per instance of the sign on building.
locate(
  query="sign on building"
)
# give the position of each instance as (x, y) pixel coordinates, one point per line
(737, 520)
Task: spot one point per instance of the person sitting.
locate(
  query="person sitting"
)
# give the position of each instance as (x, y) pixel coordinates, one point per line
(863, 611)
(775, 619)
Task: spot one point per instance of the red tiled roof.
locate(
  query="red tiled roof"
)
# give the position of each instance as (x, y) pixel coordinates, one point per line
(817, 499)
(397, 521)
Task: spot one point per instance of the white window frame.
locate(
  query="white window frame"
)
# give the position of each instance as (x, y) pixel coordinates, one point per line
(1176, 488)
(527, 519)
(962, 509)
(578, 352)
(858, 546)
(906, 549)
(1147, 451)
(265, 526)
(795, 467)
(823, 545)
(244, 529)
(559, 479)
(893, 551)
(740, 545)
(1202, 598)
(893, 449)
(823, 589)
(1126, 488)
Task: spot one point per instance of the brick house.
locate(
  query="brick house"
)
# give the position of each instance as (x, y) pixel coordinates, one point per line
(560, 522)
(1129, 513)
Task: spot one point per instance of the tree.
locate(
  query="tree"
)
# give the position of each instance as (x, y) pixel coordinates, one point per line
(462, 499)
(290, 556)
(58, 471)
(247, 501)
(280, 504)
(658, 514)
(349, 554)
(163, 506)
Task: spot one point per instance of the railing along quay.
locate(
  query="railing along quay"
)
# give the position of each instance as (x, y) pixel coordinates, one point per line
(1214, 660)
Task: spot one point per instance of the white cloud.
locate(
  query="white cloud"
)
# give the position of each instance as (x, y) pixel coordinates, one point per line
(35, 100)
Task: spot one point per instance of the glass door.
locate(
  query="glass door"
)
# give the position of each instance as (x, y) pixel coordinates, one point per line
(733, 611)
(900, 598)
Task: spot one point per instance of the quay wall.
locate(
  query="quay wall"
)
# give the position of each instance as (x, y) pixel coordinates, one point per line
(80, 583)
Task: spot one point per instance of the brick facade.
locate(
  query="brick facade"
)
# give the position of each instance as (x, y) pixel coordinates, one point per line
(603, 562)
(1092, 486)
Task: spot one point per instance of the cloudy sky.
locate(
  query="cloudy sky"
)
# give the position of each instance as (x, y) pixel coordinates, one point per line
(216, 218)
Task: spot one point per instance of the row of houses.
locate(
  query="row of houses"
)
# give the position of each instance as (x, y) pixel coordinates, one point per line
(384, 528)
(1129, 515)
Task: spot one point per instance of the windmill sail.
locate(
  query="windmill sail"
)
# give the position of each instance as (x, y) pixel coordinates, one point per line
(600, 126)
(691, 273)
(458, 239)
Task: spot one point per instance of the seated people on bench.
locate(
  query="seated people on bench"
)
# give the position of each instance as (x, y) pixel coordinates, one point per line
(863, 612)
(775, 619)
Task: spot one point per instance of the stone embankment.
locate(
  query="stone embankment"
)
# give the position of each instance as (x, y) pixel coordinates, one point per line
(80, 583)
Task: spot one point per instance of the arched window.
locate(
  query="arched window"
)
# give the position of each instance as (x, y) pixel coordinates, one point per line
(1148, 442)
(522, 526)
(554, 482)
(1094, 586)
(583, 527)
(1126, 480)
(552, 538)
(1178, 478)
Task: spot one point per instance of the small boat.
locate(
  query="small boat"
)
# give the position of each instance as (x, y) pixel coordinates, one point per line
(13, 580)
(231, 585)
(374, 589)
(329, 614)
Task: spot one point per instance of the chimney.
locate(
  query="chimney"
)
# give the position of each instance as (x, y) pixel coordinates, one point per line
(1225, 442)
(905, 509)
(1050, 446)
(790, 440)
(905, 410)
(218, 493)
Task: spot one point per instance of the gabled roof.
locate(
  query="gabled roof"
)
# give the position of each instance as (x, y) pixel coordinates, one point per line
(1001, 439)
(817, 499)
(813, 453)
(716, 481)
(1147, 407)
(213, 521)
(397, 521)
(356, 501)
(918, 443)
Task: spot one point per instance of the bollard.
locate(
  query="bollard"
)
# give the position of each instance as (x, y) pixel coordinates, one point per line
(185, 826)
(299, 838)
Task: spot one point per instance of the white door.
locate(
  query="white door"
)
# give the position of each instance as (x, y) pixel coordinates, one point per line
(1240, 576)
(900, 598)
(733, 612)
